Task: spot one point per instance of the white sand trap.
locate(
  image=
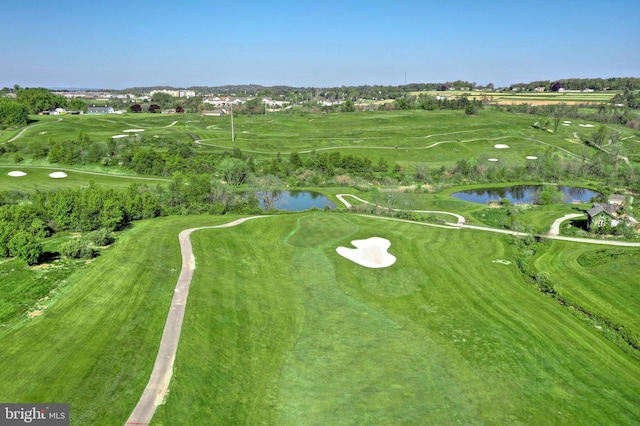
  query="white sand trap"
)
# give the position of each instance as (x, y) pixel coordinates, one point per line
(119, 136)
(501, 146)
(566, 122)
(492, 159)
(17, 174)
(58, 175)
(531, 157)
(585, 125)
(371, 253)
(132, 130)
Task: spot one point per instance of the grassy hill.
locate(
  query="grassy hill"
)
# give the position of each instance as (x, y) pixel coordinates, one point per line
(279, 329)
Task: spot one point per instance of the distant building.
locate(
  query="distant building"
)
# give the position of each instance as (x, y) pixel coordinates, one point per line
(175, 93)
(100, 110)
(619, 200)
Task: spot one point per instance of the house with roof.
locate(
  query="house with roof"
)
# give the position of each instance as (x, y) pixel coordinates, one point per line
(620, 200)
(600, 215)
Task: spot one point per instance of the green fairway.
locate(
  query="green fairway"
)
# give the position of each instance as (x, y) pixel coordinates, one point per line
(277, 333)
(405, 137)
(39, 178)
(280, 329)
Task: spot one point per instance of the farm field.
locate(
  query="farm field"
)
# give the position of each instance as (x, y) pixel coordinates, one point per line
(532, 98)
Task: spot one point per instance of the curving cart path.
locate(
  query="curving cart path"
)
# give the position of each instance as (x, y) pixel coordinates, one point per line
(462, 225)
(158, 384)
(461, 219)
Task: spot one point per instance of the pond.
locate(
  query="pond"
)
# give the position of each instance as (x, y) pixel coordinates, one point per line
(296, 201)
(523, 194)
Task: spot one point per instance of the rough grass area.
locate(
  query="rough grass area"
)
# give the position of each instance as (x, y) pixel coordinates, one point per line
(602, 282)
(95, 343)
(283, 334)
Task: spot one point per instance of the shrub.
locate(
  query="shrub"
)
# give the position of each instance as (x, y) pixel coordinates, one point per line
(77, 249)
(101, 237)
(25, 246)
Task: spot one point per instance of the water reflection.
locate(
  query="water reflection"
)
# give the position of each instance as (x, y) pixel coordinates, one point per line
(294, 200)
(523, 194)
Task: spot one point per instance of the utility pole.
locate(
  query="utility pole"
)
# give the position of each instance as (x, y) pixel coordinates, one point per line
(233, 136)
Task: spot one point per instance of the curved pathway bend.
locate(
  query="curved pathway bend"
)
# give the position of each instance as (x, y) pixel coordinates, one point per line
(460, 218)
(555, 226)
(461, 224)
(156, 389)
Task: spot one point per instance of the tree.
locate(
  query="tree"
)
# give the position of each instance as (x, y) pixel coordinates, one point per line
(77, 248)
(295, 160)
(165, 100)
(40, 99)
(153, 108)
(136, 108)
(470, 110)
(25, 246)
(348, 106)
(268, 192)
(77, 105)
(179, 109)
(12, 114)
(550, 194)
(234, 171)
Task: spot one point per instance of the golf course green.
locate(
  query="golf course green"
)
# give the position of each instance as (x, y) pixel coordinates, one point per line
(280, 329)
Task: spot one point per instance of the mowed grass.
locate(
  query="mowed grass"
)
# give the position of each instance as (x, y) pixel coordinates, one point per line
(37, 178)
(96, 341)
(282, 333)
(407, 138)
(601, 280)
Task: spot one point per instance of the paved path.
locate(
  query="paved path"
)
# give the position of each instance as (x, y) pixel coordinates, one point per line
(158, 385)
(461, 224)
(460, 218)
(28, 128)
(555, 226)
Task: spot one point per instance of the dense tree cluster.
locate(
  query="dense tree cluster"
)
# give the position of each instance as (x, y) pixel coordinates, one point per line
(39, 99)
(12, 114)
(595, 84)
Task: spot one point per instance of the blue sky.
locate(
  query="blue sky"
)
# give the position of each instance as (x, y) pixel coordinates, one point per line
(119, 44)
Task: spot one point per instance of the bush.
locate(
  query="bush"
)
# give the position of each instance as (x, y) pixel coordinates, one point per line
(77, 249)
(101, 237)
(25, 246)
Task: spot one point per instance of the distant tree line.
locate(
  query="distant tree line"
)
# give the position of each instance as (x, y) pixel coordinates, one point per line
(595, 84)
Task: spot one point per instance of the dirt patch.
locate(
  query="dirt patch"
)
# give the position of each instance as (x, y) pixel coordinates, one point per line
(35, 313)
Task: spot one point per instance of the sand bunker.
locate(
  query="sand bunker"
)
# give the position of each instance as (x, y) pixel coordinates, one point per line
(501, 146)
(371, 253)
(17, 174)
(58, 175)
(132, 130)
(585, 125)
(531, 157)
(119, 136)
(492, 159)
(566, 122)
